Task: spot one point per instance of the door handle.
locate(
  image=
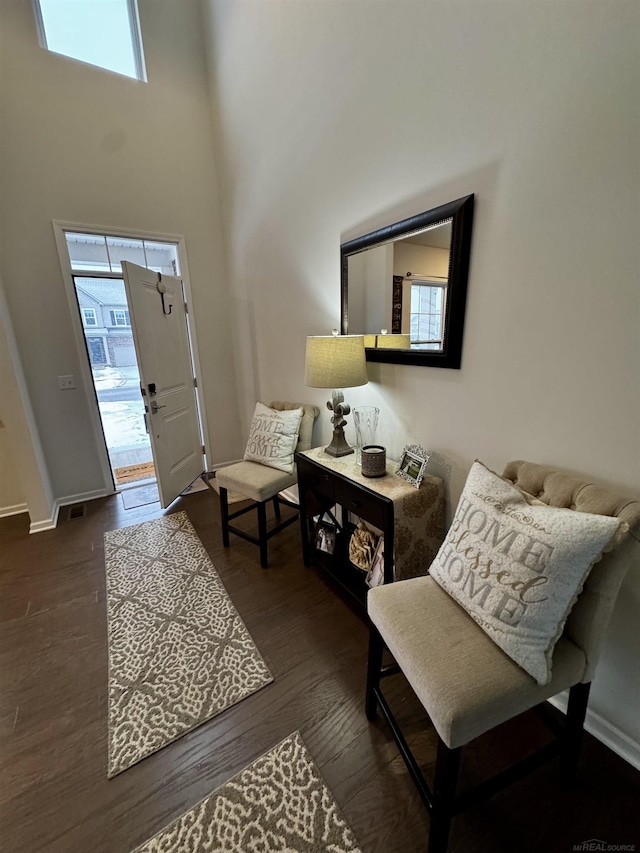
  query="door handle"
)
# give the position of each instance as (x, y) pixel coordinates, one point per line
(155, 407)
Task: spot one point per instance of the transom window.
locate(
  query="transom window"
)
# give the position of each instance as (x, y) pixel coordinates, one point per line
(105, 33)
(104, 254)
(89, 316)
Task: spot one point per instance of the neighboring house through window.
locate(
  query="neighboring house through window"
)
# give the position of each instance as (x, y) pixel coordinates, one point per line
(105, 33)
(97, 354)
(89, 317)
(96, 269)
(120, 318)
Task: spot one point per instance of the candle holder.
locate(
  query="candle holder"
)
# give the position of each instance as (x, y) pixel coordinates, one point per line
(374, 460)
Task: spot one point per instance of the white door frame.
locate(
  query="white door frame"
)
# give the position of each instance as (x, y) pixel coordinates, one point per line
(59, 228)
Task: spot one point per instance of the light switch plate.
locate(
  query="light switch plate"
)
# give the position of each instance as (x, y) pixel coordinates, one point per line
(65, 383)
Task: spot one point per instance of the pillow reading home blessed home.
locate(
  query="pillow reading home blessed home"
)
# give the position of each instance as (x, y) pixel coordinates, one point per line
(273, 437)
(518, 568)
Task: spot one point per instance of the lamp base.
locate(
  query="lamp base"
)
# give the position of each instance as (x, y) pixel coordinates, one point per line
(337, 405)
(338, 446)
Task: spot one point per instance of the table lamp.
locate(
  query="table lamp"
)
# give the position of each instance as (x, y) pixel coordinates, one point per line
(336, 361)
(398, 341)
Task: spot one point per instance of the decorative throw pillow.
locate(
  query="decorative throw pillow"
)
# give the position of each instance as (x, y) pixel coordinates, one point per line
(273, 437)
(517, 568)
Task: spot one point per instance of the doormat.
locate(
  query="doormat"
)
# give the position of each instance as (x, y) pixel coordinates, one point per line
(179, 653)
(143, 495)
(132, 498)
(131, 473)
(280, 802)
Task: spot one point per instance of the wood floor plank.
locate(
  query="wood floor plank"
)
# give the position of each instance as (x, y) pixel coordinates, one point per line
(54, 793)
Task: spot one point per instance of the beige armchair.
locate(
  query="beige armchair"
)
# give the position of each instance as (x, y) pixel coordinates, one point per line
(465, 682)
(261, 484)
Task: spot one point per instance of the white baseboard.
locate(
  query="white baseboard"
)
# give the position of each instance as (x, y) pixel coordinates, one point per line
(44, 524)
(50, 523)
(605, 732)
(16, 509)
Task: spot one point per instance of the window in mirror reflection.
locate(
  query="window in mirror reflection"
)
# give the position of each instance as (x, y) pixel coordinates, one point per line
(426, 313)
(402, 286)
(410, 279)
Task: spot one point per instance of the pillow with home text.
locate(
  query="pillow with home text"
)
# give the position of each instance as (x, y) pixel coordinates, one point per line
(517, 568)
(273, 437)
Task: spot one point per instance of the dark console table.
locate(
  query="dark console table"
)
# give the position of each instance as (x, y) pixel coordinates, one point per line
(409, 518)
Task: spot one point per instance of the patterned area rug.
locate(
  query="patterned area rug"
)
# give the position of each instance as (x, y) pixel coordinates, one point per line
(179, 653)
(280, 802)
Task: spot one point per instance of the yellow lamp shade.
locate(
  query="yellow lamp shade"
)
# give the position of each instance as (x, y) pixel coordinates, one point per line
(394, 342)
(335, 361)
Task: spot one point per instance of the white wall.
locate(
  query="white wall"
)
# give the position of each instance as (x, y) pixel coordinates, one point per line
(12, 500)
(420, 260)
(336, 118)
(82, 144)
(370, 286)
(23, 473)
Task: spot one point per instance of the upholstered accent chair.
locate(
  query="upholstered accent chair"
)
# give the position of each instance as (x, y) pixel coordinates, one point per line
(467, 684)
(261, 484)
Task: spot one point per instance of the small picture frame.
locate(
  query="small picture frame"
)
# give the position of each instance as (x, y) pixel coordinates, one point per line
(325, 538)
(413, 463)
(375, 575)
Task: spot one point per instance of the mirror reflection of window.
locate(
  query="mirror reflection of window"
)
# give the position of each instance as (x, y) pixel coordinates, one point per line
(378, 271)
(373, 303)
(426, 314)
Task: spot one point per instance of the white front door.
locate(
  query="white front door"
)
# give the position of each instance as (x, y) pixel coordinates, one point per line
(166, 377)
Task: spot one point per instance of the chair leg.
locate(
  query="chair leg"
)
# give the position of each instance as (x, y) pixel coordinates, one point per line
(224, 516)
(262, 533)
(374, 667)
(276, 508)
(573, 731)
(444, 793)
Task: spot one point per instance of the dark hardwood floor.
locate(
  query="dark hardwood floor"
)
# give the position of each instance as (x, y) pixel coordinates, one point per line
(54, 792)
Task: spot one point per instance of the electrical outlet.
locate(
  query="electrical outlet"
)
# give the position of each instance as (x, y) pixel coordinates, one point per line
(66, 382)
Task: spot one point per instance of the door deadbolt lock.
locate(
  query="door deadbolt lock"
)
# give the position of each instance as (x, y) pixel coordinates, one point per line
(152, 389)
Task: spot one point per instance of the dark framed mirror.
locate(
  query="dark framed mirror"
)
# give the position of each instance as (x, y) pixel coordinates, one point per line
(405, 287)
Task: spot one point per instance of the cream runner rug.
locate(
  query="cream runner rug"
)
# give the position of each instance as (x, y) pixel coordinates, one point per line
(179, 653)
(280, 802)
